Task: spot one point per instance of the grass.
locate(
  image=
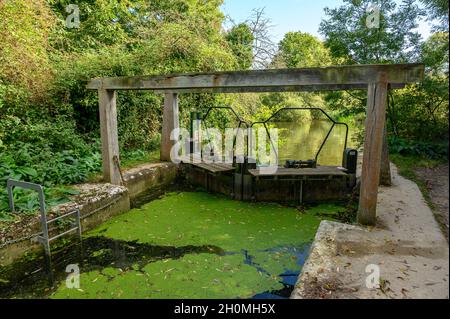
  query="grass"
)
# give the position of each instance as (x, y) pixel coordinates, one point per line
(140, 157)
(407, 166)
(129, 160)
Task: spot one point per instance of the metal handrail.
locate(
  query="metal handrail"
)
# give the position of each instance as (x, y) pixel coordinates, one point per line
(241, 121)
(264, 123)
(44, 239)
(306, 108)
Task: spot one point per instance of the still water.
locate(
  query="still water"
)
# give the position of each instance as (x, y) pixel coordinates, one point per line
(303, 141)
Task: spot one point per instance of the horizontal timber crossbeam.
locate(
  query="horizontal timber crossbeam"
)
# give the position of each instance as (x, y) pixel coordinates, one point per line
(346, 77)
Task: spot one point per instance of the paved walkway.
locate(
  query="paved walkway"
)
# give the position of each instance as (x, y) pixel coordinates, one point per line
(407, 246)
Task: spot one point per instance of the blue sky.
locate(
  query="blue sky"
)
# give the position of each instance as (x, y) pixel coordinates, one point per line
(290, 15)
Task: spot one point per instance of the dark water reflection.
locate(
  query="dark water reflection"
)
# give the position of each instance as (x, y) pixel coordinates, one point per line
(28, 278)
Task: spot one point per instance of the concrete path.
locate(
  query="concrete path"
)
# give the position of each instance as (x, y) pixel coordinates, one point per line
(407, 247)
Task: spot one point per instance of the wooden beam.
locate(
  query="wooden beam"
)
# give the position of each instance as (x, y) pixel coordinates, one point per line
(263, 89)
(170, 122)
(109, 136)
(373, 142)
(318, 79)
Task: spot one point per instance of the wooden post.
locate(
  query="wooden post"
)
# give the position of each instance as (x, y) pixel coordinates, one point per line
(170, 122)
(109, 136)
(385, 170)
(373, 143)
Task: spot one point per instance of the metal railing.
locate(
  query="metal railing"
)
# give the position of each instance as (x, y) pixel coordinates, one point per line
(305, 109)
(241, 122)
(264, 123)
(44, 238)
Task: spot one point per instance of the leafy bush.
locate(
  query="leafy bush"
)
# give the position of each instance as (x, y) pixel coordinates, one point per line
(418, 148)
(46, 153)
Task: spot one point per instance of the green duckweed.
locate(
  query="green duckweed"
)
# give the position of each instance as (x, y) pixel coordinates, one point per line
(259, 241)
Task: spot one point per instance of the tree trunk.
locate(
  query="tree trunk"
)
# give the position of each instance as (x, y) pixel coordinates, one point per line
(385, 170)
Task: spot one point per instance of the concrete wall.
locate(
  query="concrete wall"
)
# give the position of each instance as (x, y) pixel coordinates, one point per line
(97, 203)
(148, 181)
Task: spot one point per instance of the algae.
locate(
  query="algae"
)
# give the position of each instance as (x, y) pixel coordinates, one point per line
(261, 242)
(192, 276)
(200, 218)
(196, 245)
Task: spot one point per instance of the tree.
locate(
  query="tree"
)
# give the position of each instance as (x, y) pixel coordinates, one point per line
(395, 40)
(102, 23)
(350, 40)
(435, 55)
(25, 68)
(418, 112)
(240, 39)
(438, 10)
(299, 49)
(152, 37)
(426, 104)
(263, 48)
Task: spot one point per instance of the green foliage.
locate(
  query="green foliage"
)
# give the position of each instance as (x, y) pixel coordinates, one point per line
(434, 54)
(421, 111)
(185, 38)
(241, 39)
(418, 148)
(25, 67)
(351, 42)
(295, 50)
(418, 112)
(46, 153)
(55, 140)
(137, 157)
(438, 10)
(298, 49)
(348, 37)
(102, 23)
(49, 125)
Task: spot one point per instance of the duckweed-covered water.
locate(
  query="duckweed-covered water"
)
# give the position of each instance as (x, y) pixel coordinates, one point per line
(191, 245)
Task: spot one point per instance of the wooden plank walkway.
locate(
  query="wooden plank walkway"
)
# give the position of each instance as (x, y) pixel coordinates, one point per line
(214, 167)
(210, 167)
(313, 172)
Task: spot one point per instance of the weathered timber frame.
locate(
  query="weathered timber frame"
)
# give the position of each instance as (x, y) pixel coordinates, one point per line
(376, 79)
